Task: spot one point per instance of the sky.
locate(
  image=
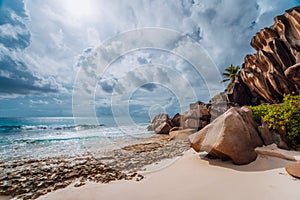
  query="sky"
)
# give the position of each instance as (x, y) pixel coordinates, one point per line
(119, 58)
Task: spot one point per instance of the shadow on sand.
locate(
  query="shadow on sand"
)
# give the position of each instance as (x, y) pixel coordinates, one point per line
(262, 163)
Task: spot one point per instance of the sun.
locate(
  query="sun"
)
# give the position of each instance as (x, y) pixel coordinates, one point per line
(79, 8)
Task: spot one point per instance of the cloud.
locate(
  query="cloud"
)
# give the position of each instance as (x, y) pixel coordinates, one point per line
(149, 87)
(46, 45)
(39, 102)
(14, 36)
(108, 84)
(13, 31)
(11, 86)
(223, 28)
(57, 101)
(15, 76)
(161, 100)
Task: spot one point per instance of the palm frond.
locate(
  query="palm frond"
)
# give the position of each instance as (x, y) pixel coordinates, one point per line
(229, 74)
(224, 80)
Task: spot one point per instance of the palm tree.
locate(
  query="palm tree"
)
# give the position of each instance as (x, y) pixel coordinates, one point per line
(229, 74)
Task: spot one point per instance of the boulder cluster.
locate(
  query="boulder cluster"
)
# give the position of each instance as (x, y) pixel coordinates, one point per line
(197, 117)
(232, 135)
(222, 127)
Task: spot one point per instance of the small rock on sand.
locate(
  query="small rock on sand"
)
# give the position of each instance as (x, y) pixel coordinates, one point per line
(293, 170)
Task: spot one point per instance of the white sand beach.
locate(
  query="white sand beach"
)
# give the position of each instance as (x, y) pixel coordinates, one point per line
(191, 177)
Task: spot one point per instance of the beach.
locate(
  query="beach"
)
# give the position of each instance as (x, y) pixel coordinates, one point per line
(137, 166)
(148, 100)
(190, 177)
(31, 178)
(154, 168)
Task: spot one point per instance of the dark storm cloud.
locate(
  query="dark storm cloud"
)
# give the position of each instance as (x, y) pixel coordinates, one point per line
(15, 77)
(13, 86)
(108, 85)
(149, 87)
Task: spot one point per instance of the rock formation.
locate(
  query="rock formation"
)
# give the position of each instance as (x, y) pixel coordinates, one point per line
(176, 119)
(273, 151)
(264, 78)
(181, 134)
(273, 70)
(293, 170)
(293, 74)
(197, 117)
(161, 124)
(278, 137)
(230, 136)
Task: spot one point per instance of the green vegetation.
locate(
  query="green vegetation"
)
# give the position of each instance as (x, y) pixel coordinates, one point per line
(229, 74)
(285, 116)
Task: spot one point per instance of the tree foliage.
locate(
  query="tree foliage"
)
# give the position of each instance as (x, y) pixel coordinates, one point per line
(285, 116)
(229, 74)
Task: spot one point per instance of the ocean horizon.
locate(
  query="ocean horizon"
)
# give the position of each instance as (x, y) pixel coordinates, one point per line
(43, 137)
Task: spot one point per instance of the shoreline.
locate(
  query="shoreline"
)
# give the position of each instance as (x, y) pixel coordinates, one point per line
(195, 178)
(32, 178)
(160, 169)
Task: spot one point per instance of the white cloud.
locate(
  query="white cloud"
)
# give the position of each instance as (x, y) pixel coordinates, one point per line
(57, 101)
(224, 28)
(7, 30)
(62, 30)
(58, 39)
(39, 102)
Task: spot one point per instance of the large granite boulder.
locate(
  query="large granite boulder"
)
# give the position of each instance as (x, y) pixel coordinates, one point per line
(197, 117)
(218, 109)
(197, 111)
(176, 120)
(181, 134)
(161, 124)
(230, 136)
(163, 128)
(271, 72)
(192, 123)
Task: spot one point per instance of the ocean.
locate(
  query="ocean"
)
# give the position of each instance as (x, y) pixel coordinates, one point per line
(34, 138)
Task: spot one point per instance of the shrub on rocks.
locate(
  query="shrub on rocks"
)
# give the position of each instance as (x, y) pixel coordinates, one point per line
(285, 117)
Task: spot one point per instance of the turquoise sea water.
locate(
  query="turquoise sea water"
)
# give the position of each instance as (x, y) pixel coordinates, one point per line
(58, 136)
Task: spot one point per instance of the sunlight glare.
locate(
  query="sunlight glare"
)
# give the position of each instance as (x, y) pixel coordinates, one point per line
(79, 8)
